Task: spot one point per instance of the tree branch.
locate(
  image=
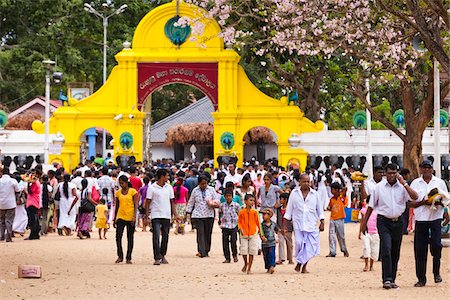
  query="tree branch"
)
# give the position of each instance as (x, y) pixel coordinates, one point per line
(362, 96)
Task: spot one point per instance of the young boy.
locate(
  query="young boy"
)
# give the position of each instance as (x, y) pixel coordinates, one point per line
(268, 240)
(284, 233)
(229, 212)
(370, 238)
(102, 217)
(249, 227)
(337, 204)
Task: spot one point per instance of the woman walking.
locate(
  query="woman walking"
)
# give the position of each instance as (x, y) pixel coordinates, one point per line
(87, 206)
(46, 201)
(126, 205)
(33, 204)
(269, 194)
(246, 187)
(67, 199)
(181, 197)
(201, 207)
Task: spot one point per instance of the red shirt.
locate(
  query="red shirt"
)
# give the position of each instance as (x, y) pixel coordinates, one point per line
(136, 183)
(34, 198)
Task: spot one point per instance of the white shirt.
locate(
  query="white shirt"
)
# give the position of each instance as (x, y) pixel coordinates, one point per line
(389, 200)
(106, 182)
(77, 182)
(83, 169)
(304, 213)
(8, 188)
(370, 185)
(252, 174)
(424, 212)
(160, 196)
(92, 182)
(236, 179)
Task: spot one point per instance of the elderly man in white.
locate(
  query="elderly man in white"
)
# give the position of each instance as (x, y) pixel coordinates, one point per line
(8, 188)
(428, 224)
(305, 209)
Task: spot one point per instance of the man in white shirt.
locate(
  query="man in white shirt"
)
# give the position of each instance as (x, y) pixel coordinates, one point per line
(233, 176)
(389, 200)
(368, 186)
(428, 221)
(159, 200)
(8, 188)
(305, 210)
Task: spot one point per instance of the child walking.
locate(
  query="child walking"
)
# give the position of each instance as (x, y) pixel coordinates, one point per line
(102, 218)
(370, 238)
(268, 240)
(229, 212)
(337, 204)
(284, 233)
(249, 227)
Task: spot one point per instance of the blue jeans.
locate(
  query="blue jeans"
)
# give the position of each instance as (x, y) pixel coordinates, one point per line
(269, 256)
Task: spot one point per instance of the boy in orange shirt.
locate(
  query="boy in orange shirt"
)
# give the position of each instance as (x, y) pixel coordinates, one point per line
(337, 204)
(249, 227)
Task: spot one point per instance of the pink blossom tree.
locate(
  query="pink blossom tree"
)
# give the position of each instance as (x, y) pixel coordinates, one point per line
(376, 34)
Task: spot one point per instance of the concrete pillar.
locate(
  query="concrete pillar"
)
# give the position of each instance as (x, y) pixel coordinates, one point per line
(91, 139)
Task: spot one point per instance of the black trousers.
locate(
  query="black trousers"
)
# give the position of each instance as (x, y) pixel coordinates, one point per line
(160, 226)
(33, 222)
(204, 228)
(120, 226)
(390, 242)
(422, 238)
(229, 238)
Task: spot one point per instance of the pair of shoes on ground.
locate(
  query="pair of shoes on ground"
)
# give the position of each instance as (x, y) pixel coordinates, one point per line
(119, 260)
(162, 261)
(389, 285)
(437, 279)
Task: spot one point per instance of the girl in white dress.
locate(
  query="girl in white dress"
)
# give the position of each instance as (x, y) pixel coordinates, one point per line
(68, 192)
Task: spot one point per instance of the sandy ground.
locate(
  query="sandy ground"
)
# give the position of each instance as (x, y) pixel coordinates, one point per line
(85, 269)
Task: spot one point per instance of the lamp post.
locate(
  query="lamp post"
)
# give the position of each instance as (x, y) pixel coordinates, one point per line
(48, 67)
(369, 132)
(104, 18)
(437, 121)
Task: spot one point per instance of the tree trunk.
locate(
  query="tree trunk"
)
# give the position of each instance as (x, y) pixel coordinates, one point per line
(412, 151)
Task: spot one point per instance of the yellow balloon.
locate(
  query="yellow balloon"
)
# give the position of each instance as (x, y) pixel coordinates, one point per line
(38, 126)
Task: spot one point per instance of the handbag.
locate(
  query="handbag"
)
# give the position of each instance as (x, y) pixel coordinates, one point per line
(86, 205)
(57, 196)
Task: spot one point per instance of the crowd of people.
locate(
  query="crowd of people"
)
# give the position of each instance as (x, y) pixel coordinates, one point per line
(262, 207)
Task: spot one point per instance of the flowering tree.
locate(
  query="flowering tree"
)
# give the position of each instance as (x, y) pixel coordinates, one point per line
(375, 35)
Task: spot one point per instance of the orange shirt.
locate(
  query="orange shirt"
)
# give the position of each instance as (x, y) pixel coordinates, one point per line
(248, 221)
(337, 207)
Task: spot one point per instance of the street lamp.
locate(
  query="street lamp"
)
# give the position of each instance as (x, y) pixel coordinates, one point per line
(104, 17)
(418, 46)
(48, 67)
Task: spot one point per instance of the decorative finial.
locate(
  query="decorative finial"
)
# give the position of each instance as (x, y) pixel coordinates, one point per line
(126, 45)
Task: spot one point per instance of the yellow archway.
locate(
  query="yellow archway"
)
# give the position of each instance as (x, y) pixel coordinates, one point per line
(240, 105)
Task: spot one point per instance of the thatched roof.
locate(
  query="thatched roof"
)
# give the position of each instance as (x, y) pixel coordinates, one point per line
(23, 121)
(198, 133)
(203, 133)
(256, 133)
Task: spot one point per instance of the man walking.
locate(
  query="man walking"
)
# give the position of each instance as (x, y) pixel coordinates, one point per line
(389, 200)
(428, 221)
(8, 188)
(160, 198)
(305, 209)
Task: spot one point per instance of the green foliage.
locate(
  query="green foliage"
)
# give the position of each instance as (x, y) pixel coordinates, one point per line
(172, 98)
(63, 31)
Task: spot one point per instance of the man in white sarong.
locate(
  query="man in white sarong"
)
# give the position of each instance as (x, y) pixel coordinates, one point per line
(305, 209)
